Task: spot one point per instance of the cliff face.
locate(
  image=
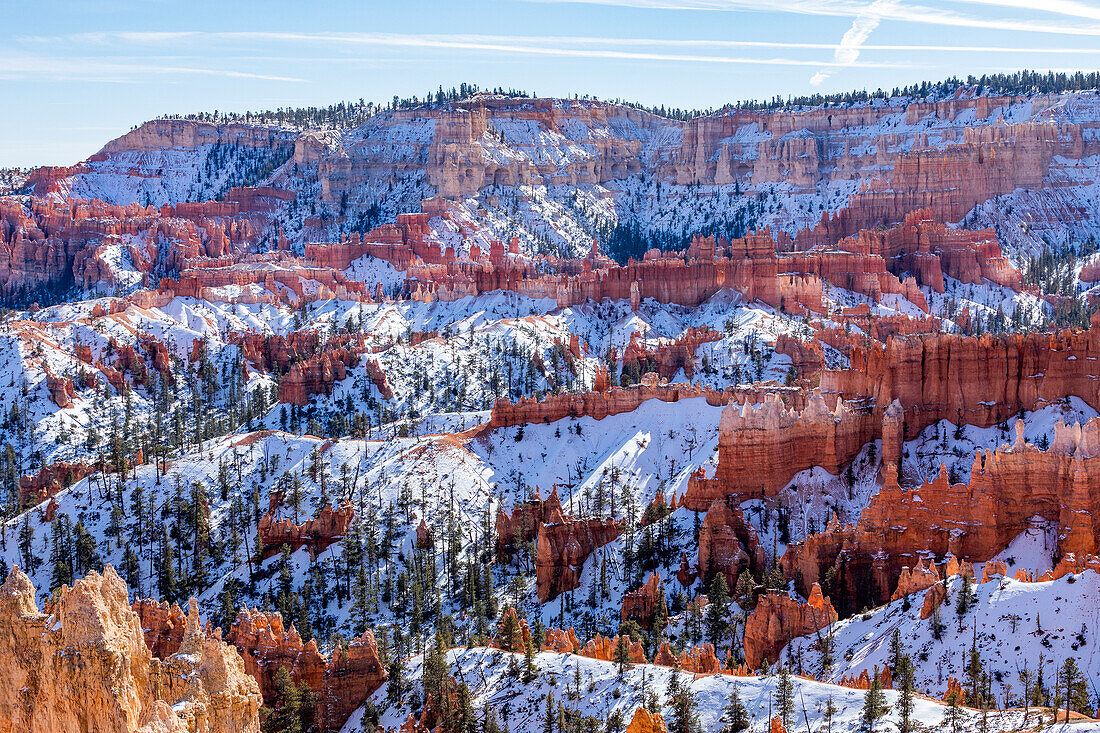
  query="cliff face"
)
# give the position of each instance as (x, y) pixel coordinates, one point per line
(783, 439)
(971, 380)
(893, 391)
(903, 155)
(971, 521)
(778, 618)
(561, 549)
(86, 666)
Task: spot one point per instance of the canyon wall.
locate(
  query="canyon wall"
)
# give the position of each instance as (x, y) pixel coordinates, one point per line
(972, 521)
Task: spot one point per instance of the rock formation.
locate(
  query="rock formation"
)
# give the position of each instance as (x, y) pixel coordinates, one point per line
(523, 523)
(341, 683)
(563, 642)
(700, 659)
(646, 722)
(86, 666)
(778, 618)
(728, 544)
(561, 549)
(642, 605)
(315, 534)
(972, 521)
(163, 625)
(603, 648)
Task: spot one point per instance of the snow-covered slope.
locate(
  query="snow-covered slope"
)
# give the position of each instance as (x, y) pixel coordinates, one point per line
(521, 705)
(1013, 623)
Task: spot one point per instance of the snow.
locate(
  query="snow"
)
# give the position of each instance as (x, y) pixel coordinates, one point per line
(1014, 622)
(521, 704)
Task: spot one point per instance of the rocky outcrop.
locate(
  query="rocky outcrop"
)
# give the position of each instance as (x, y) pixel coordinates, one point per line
(522, 525)
(603, 648)
(642, 605)
(341, 683)
(916, 580)
(266, 645)
(352, 675)
(646, 722)
(893, 391)
(596, 405)
(924, 246)
(316, 375)
(971, 380)
(563, 642)
(863, 681)
(513, 634)
(86, 666)
(424, 538)
(667, 358)
(561, 549)
(50, 479)
(762, 446)
(315, 535)
(778, 618)
(163, 625)
(47, 243)
(728, 544)
(700, 659)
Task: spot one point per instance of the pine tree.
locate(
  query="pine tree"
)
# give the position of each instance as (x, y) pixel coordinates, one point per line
(622, 654)
(435, 668)
(897, 650)
(734, 716)
(974, 673)
(904, 705)
(829, 712)
(718, 597)
(166, 572)
(285, 716)
(874, 705)
(684, 718)
(549, 717)
(395, 689)
(953, 716)
(509, 633)
(784, 697)
(1077, 694)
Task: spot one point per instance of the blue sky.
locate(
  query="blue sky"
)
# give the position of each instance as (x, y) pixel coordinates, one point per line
(76, 74)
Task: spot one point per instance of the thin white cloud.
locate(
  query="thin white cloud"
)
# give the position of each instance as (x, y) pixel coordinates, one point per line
(513, 45)
(160, 38)
(1068, 8)
(849, 8)
(847, 53)
(18, 66)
